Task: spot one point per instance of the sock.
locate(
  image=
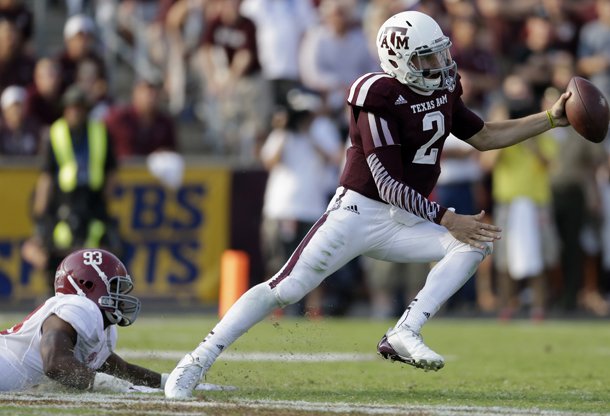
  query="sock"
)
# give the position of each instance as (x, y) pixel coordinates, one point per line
(251, 308)
(446, 278)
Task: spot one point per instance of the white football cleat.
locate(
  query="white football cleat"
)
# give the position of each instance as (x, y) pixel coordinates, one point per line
(407, 346)
(187, 374)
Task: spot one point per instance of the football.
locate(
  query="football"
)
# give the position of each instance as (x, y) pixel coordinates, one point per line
(587, 110)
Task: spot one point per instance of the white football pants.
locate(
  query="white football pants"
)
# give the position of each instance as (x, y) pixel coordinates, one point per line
(356, 225)
(11, 379)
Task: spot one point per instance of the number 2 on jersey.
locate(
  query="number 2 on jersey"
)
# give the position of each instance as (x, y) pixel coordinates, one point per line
(422, 156)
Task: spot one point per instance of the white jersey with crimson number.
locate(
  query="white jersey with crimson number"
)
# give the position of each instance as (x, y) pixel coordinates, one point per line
(397, 137)
(20, 359)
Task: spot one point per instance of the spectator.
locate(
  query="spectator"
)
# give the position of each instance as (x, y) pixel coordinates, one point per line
(16, 66)
(184, 24)
(19, 134)
(141, 127)
(533, 58)
(593, 61)
(479, 68)
(20, 15)
(296, 157)
(90, 79)
(505, 20)
(70, 201)
(139, 22)
(280, 26)
(575, 195)
(522, 207)
(79, 45)
(326, 65)
(567, 22)
(594, 48)
(44, 94)
(234, 84)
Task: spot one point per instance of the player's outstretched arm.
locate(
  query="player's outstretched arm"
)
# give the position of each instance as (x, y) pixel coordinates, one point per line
(470, 229)
(120, 368)
(57, 352)
(500, 134)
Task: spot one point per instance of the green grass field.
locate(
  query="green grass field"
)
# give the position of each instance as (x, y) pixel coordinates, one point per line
(329, 367)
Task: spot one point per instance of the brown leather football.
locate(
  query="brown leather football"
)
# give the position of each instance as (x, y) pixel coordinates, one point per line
(587, 110)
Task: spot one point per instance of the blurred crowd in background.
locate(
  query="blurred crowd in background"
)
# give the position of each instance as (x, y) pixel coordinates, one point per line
(265, 82)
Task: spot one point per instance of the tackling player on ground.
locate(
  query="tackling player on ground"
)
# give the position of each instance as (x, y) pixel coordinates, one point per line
(70, 339)
(399, 120)
(73, 334)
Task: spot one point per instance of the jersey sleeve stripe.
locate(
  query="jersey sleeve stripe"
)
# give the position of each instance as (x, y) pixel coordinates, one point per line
(386, 132)
(361, 88)
(374, 130)
(355, 85)
(380, 131)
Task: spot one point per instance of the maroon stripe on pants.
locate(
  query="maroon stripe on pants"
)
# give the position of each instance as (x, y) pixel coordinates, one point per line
(292, 261)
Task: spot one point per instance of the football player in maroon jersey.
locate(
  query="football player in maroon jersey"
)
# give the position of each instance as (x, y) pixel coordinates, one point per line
(399, 120)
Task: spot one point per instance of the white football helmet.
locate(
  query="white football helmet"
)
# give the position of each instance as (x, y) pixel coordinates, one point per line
(413, 49)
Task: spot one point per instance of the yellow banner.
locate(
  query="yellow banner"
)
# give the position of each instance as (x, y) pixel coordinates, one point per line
(173, 238)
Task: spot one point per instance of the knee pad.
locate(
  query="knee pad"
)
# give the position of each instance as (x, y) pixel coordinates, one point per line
(290, 290)
(320, 257)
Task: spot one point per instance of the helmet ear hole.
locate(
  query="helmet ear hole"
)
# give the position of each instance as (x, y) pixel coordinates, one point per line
(394, 64)
(88, 284)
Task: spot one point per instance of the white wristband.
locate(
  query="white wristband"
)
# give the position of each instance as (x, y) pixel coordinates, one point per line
(106, 382)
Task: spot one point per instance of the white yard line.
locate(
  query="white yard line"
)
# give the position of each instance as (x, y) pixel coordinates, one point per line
(151, 405)
(254, 356)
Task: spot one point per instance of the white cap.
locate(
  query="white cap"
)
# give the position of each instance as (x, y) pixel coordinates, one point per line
(78, 23)
(12, 95)
(167, 166)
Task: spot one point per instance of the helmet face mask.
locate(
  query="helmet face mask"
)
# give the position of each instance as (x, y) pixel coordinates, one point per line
(432, 70)
(85, 273)
(413, 49)
(119, 307)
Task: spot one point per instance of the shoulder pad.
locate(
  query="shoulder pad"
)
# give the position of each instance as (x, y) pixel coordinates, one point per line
(82, 314)
(371, 91)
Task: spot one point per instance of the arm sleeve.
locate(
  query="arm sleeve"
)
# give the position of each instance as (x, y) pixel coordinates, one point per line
(469, 123)
(385, 162)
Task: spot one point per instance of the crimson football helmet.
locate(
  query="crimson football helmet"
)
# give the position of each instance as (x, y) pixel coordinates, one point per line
(413, 49)
(100, 276)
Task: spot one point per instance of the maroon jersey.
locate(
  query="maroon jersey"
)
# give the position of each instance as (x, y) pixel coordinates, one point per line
(233, 38)
(397, 137)
(134, 137)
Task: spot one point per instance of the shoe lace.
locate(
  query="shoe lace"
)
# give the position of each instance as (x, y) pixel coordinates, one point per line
(192, 371)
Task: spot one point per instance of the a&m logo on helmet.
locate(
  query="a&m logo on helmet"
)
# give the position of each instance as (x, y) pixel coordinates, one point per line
(394, 38)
